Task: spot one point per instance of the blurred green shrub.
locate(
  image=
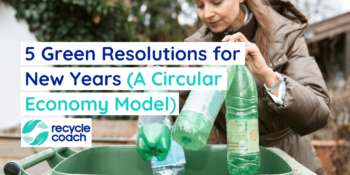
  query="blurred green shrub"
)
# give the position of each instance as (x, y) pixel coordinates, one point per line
(77, 20)
(158, 20)
(104, 21)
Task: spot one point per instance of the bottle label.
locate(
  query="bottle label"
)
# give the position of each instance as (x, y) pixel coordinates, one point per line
(175, 156)
(206, 102)
(242, 136)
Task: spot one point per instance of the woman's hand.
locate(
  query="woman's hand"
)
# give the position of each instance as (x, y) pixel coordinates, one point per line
(255, 61)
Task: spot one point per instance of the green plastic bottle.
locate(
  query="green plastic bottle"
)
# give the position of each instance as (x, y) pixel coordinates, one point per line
(192, 127)
(243, 155)
(153, 139)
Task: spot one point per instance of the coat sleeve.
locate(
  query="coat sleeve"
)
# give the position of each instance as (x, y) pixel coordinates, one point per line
(306, 103)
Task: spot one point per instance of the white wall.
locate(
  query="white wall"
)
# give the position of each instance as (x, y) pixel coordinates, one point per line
(12, 33)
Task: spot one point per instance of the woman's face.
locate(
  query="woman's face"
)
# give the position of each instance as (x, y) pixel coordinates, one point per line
(219, 15)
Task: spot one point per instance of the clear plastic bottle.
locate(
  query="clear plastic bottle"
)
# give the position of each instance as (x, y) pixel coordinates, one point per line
(192, 127)
(153, 136)
(243, 155)
(174, 163)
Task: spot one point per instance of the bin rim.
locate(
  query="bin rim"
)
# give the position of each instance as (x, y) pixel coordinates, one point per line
(215, 146)
(219, 146)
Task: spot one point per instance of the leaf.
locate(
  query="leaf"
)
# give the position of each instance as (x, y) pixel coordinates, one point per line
(27, 139)
(42, 125)
(40, 139)
(30, 126)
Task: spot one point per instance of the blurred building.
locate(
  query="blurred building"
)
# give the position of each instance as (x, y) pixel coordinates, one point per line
(329, 43)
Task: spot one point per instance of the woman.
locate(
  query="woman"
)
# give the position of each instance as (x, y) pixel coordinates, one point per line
(293, 97)
(299, 105)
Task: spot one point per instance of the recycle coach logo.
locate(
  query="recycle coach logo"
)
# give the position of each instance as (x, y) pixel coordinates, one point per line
(36, 139)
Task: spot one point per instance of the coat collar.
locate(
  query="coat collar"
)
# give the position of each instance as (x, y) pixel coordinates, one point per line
(248, 29)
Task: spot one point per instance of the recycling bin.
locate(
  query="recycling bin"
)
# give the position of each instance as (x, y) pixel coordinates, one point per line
(124, 160)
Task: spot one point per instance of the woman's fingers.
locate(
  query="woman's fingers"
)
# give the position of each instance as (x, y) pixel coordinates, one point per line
(253, 57)
(237, 37)
(251, 49)
(228, 38)
(252, 52)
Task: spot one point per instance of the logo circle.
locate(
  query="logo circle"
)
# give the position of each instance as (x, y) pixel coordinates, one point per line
(31, 137)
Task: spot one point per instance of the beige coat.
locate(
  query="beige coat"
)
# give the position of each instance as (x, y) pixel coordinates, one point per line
(306, 103)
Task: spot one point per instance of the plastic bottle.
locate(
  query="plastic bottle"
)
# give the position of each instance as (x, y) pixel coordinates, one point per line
(153, 137)
(243, 155)
(193, 126)
(174, 162)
